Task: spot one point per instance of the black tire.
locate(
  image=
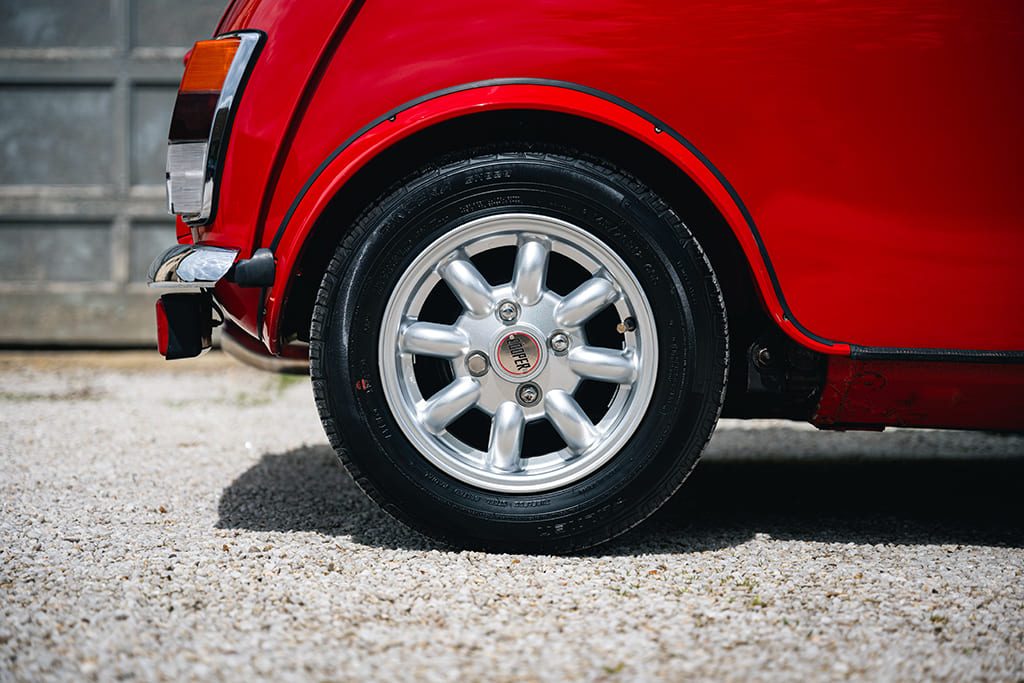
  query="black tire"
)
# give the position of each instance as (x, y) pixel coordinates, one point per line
(674, 274)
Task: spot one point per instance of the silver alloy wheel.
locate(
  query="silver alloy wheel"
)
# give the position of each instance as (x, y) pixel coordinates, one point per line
(518, 351)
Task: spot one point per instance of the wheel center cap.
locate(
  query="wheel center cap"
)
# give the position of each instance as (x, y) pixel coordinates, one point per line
(519, 355)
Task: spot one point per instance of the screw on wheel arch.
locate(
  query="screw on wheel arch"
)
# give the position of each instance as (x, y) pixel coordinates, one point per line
(546, 365)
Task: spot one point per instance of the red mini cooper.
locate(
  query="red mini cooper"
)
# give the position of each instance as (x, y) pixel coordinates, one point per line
(533, 250)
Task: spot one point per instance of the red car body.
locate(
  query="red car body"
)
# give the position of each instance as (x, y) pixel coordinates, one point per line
(866, 161)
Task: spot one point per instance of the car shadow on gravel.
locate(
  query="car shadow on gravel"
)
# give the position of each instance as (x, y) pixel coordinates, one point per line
(878, 500)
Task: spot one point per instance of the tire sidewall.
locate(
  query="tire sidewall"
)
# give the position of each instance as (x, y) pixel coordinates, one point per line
(672, 273)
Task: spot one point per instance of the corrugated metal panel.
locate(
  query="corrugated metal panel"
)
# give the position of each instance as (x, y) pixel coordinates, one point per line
(86, 89)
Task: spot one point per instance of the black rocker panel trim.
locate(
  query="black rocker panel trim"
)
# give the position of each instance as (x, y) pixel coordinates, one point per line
(941, 355)
(878, 353)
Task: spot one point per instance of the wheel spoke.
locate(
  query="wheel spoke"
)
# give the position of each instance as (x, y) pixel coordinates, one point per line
(603, 365)
(507, 386)
(447, 405)
(585, 301)
(431, 339)
(570, 421)
(530, 271)
(506, 443)
(468, 285)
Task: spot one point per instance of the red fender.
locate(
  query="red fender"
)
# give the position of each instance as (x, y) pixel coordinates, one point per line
(357, 152)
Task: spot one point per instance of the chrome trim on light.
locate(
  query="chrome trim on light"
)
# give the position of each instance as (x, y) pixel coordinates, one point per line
(220, 127)
(188, 266)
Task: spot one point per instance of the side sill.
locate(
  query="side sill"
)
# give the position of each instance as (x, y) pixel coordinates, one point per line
(934, 355)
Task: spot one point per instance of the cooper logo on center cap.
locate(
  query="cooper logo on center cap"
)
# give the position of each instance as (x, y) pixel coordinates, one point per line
(518, 353)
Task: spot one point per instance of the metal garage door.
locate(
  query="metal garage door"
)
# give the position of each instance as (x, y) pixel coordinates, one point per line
(86, 89)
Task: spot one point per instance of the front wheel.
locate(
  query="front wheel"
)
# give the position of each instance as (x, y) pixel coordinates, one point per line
(519, 352)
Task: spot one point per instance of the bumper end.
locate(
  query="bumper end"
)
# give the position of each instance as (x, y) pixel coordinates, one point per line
(184, 316)
(190, 266)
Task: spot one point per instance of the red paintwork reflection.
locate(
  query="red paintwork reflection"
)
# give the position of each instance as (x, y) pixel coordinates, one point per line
(878, 148)
(915, 394)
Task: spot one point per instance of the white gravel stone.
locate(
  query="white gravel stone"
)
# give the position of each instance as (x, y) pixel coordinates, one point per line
(188, 521)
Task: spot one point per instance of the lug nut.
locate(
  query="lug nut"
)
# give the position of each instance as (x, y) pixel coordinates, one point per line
(528, 394)
(508, 311)
(477, 364)
(559, 342)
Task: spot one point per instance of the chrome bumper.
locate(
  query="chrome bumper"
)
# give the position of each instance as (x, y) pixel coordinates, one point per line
(190, 266)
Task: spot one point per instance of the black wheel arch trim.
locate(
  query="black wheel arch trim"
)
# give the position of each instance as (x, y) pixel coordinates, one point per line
(862, 352)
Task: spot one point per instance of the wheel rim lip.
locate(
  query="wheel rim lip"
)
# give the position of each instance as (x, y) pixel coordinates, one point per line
(452, 456)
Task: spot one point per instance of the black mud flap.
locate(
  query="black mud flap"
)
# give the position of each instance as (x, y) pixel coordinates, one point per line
(184, 324)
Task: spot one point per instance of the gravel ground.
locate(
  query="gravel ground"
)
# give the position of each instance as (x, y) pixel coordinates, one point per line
(188, 521)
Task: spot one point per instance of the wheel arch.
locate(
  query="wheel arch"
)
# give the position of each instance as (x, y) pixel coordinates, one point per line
(478, 116)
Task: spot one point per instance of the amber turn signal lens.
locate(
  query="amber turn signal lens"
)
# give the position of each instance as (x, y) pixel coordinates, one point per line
(208, 65)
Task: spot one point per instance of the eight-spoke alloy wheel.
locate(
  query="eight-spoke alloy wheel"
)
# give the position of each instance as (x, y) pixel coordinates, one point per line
(513, 329)
(519, 351)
